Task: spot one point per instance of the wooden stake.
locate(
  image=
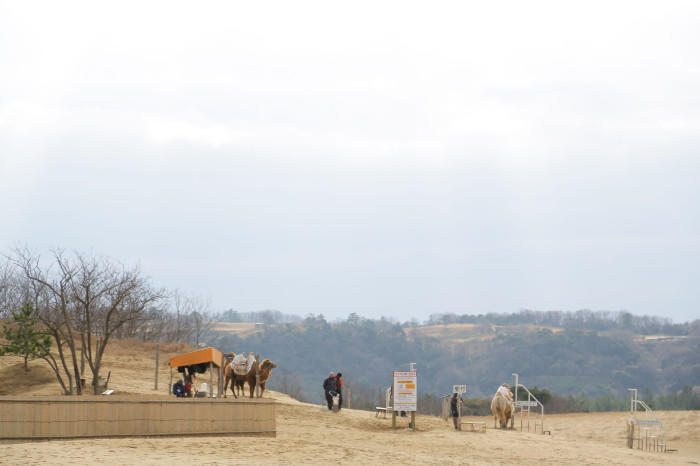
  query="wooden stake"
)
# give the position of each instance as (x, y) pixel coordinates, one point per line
(155, 387)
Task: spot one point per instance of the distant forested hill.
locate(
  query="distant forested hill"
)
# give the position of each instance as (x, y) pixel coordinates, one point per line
(592, 353)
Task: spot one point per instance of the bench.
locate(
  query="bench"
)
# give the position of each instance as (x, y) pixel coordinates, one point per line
(382, 409)
(387, 408)
(475, 426)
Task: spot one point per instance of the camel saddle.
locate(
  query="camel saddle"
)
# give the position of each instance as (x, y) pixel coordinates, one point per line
(242, 365)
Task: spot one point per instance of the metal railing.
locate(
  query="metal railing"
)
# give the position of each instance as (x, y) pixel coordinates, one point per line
(648, 433)
(532, 402)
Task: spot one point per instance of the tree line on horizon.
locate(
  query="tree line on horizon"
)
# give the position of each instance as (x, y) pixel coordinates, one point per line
(586, 369)
(582, 319)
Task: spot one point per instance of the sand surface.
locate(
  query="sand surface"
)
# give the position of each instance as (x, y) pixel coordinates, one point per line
(310, 434)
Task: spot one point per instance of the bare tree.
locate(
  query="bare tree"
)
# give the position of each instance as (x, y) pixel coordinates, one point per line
(51, 296)
(6, 289)
(153, 327)
(180, 326)
(12, 294)
(189, 319)
(201, 319)
(181, 317)
(83, 301)
(107, 298)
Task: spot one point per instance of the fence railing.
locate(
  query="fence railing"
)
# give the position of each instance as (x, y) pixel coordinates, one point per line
(524, 406)
(646, 430)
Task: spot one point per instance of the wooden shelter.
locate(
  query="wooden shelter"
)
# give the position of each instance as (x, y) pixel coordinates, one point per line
(210, 356)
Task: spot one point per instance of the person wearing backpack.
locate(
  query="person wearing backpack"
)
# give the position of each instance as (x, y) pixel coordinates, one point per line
(330, 387)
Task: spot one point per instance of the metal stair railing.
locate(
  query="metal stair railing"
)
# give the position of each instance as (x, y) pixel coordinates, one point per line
(532, 402)
(648, 441)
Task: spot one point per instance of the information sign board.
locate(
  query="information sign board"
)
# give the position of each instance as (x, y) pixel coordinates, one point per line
(648, 423)
(405, 385)
(459, 389)
(526, 403)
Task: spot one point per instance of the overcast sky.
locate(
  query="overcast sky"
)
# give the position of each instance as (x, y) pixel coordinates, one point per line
(391, 159)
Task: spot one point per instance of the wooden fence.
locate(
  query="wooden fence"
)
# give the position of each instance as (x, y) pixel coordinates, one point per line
(69, 417)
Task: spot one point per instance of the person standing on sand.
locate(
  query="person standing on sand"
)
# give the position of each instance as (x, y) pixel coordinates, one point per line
(455, 403)
(330, 385)
(339, 389)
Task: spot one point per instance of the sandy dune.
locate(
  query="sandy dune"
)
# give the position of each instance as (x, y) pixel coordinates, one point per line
(309, 434)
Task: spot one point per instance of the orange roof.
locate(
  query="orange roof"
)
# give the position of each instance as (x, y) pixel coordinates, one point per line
(210, 354)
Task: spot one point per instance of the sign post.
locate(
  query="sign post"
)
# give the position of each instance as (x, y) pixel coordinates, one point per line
(405, 398)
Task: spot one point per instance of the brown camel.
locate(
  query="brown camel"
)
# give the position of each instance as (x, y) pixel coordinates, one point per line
(238, 381)
(262, 370)
(264, 374)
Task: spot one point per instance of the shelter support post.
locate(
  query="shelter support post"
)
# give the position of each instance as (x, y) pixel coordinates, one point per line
(211, 379)
(170, 386)
(221, 365)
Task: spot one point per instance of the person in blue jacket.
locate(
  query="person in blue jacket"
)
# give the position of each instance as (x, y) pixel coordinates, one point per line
(179, 389)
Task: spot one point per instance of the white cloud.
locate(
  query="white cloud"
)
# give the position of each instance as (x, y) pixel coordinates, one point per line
(394, 127)
(208, 134)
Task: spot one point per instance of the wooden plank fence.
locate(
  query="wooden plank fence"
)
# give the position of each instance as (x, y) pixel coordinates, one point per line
(70, 417)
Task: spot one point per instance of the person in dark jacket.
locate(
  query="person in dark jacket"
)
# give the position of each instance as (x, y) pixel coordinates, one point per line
(179, 389)
(455, 404)
(330, 385)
